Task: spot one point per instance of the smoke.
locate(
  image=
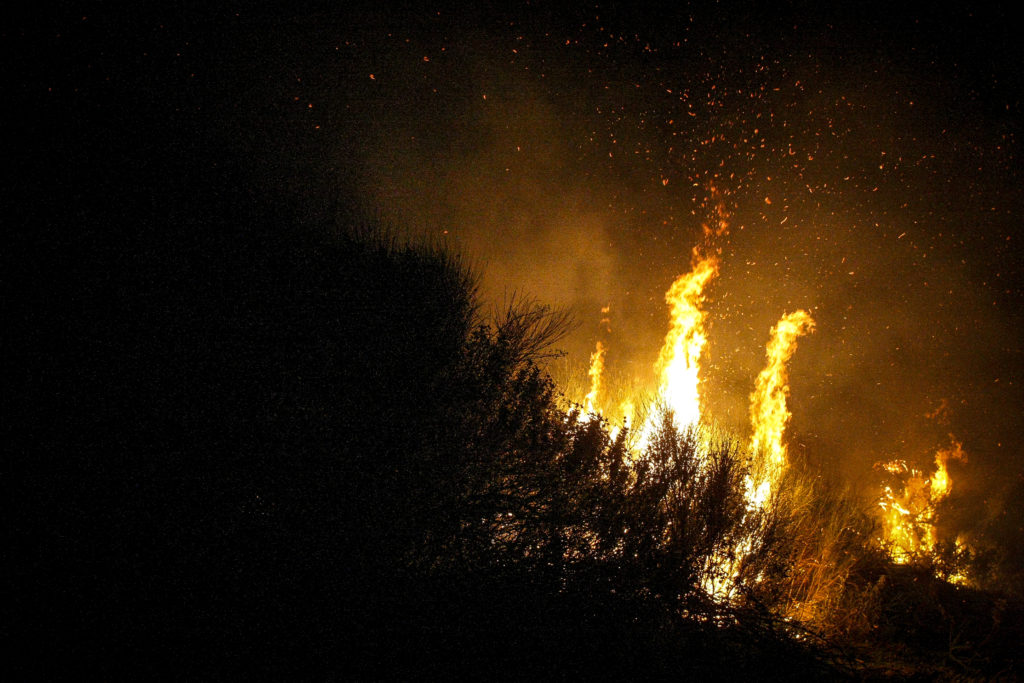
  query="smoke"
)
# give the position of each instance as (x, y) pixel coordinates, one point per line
(870, 181)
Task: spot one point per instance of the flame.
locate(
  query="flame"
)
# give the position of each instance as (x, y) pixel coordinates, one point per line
(958, 576)
(908, 518)
(941, 484)
(769, 416)
(678, 363)
(596, 368)
(768, 412)
(895, 467)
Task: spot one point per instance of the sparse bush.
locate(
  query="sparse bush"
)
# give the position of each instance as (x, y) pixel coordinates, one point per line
(683, 512)
(816, 564)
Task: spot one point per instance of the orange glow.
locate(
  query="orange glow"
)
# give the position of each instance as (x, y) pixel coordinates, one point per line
(769, 415)
(596, 368)
(678, 363)
(908, 517)
(895, 467)
(719, 223)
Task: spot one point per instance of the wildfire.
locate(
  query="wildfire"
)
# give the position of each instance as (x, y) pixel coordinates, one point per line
(678, 363)
(908, 518)
(908, 515)
(596, 368)
(768, 412)
(769, 416)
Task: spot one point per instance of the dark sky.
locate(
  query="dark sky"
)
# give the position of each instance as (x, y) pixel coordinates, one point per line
(867, 163)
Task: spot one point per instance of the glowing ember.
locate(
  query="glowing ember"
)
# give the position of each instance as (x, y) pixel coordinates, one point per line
(768, 412)
(718, 224)
(895, 467)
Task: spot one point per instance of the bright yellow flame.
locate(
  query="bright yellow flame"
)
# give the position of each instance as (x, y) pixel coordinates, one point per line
(895, 467)
(941, 484)
(678, 363)
(769, 416)
(768, 412)
(596, 368)
(959, 577)
(908, 518)
(627, 411)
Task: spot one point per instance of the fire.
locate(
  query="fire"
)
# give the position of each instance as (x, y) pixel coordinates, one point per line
(769, 416)
(908, 518)
(678, 363)
(895, 467)
(596, 368)
(768, 412)
(941, 484)
(908, 509)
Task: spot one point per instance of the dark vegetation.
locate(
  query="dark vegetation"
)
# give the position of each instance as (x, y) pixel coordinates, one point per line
(289, 449)
(249, 439)
(282, 449)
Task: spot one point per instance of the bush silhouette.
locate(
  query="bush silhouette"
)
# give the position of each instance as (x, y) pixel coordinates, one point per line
(290, 445)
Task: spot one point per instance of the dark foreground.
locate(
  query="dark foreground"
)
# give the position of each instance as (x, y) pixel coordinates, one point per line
(252, 439)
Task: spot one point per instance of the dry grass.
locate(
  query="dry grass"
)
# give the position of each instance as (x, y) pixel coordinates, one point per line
(819, 554)
(618, 392)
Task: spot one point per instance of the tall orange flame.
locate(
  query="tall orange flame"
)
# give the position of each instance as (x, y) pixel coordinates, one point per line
(596, 368)
(768, 412)
(678, 363)
(770, 416)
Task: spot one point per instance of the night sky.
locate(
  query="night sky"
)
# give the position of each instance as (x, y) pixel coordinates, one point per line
(866, 163)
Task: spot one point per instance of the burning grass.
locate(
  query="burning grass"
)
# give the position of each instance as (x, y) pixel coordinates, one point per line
(418, 489)
(777, 543)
